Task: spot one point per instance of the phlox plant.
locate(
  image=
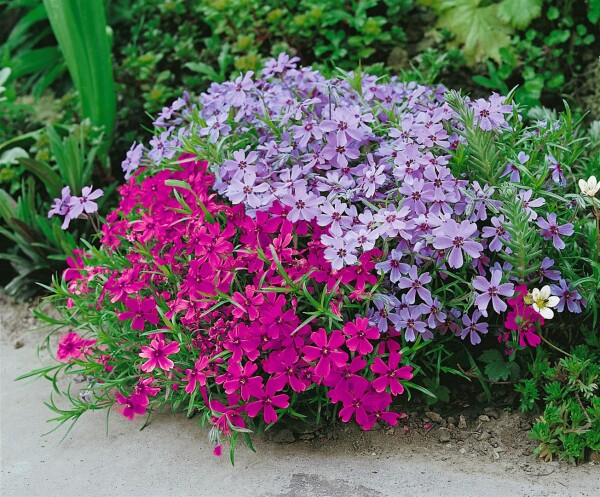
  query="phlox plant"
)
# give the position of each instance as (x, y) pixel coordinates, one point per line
(289, 246)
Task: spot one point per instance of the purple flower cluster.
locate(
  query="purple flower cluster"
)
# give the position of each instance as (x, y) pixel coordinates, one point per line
(72, 207)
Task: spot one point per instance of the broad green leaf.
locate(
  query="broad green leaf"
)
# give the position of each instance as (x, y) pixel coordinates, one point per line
(35, 61)
(519, 13)
(477, 28)
(80, 28)
(8, 206)
(45, 173)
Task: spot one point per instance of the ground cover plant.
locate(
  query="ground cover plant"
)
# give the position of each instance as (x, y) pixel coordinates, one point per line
(295, 247)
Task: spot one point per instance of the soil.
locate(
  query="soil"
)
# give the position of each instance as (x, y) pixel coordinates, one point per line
(460, 450)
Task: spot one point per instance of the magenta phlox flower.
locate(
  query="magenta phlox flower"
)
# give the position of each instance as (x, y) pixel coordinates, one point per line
(550, 229)
(145, 388)
(243, 340)
(390, 374)
(288, 368)
(247, 303)
(473, 328)
(72, 346)
(157, 354)
(357, 401)
(491, 291)
(416, 284)
(325, 351)
(240, 379)
(196, 376)
(268, 399)
(457, 236)
(136, 404)
(142, 311)
(359, 333)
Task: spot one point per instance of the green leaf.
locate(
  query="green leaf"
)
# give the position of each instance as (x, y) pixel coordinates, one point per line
(519, 13)
(45, 173)
(593, 11)
(476, 27)
(80, 28)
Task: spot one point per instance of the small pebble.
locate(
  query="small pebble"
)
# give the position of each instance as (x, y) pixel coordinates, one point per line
(484, 418)
(444, 436)
(462, 422)
(463, 451)
(484, 436)
(435, 417)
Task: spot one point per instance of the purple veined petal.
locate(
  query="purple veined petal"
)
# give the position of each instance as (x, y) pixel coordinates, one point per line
(472, 248)
(480, 284)
(558, 243)
(482, 301)
(506, 289)
(498, 304)
(443, 242)
(456, 258)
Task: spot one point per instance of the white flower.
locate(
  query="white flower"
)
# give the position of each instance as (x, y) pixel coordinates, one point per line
(543, 300)
(589, 187)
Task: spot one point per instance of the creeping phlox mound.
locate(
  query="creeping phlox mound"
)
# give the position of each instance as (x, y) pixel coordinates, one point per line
(287, 245)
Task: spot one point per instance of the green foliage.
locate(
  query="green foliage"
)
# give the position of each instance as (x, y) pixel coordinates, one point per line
(80, 28)
(569, 426)
(40, 246)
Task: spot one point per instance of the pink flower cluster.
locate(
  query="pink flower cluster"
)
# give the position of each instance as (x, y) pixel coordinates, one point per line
(251, 354)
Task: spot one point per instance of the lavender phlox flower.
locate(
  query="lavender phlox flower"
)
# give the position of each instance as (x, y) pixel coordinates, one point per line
(308, 130)
(497, 231)
(393, 222)
(457, 236)
(416, 193)
(373, 177)
(430, 136)
(432, 308)
(61, 205)
(331, 213)
(216, 126)
(336, 183)
(407, 162)
(166, 114)
(340, 250)
(490, 291)
(133, 158)
(568, 297)
(162, 147)
(384, 304)
(405, 132)
(364, 238)
(240, 164)
(409, 320)
(339, 151)
(280, 65)
(416, 284)
(345, 125)
(513, 170)
(525, 197)
(550, 229)
(245, 189)
(556, 170)
(546, 273)
(489, 114)
(290, 179)
(393, 266)
(472, 327)
(85, 203)
(305, 205)
(239, 88)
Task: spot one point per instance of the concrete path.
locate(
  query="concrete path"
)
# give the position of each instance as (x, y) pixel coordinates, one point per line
(172, 457)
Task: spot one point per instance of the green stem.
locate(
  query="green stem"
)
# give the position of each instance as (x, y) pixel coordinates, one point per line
(555, 347)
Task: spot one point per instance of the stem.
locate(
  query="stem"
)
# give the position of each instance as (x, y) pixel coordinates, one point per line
(555, 347)
(597, 216)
